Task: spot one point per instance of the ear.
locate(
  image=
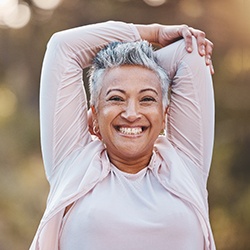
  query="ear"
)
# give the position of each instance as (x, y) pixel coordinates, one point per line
(93, 122)
(165, 116)
(91, 118)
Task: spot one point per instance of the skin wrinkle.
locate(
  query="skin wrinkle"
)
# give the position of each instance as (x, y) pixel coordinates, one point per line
(138, 103)
(119, 54)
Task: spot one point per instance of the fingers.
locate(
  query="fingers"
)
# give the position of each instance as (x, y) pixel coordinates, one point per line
(169, 34)
(205, 47)
(201, 40)
(208, 55)
(209, 49)
(185, 32)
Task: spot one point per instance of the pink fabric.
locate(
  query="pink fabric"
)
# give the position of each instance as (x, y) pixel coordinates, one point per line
(75, 162)
(131, 211)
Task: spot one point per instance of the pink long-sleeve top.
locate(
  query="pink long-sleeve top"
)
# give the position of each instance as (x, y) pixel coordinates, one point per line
(164, 206)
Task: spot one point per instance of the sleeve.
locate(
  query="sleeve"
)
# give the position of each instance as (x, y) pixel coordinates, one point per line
(63, 103)
(190, 117)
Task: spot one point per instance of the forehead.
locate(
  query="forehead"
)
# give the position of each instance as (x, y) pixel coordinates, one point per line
(130, 77)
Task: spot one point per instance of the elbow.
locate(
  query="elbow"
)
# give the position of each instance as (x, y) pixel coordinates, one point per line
(56, 41)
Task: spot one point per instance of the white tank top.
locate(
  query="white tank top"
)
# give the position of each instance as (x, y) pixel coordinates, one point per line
(130, 212)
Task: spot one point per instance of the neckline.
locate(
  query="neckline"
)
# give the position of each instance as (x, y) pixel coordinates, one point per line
(155, 161)
(127, 175)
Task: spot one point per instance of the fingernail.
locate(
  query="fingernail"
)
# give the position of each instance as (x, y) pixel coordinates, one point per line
(212, 69)
(189, 49)
(203, 50)
(208, 59)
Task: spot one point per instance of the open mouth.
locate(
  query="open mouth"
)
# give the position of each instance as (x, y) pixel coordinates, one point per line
(130, 130)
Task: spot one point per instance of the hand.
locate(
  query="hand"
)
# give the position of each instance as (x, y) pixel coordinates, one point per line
(168, 34)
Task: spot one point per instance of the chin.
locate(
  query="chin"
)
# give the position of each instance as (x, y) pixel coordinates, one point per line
(135, 152)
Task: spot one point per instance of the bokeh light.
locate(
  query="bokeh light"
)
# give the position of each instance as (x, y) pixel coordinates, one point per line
(17, 14)
(191, 8)
(46, 4)
(13, 14)
(19, 17)
(155, 2)
(6, 7)
(237, 61)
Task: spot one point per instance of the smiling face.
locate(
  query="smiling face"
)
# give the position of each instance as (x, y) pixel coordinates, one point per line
(130, 115)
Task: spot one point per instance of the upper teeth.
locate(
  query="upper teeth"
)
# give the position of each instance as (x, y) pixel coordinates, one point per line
(130, 131)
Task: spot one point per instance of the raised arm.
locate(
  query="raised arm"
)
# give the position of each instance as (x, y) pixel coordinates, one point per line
(164, 35)
(63, 104)
(190, 119)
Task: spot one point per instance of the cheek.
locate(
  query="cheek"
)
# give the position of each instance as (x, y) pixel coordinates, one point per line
(158, 113)
(159, 119)
(105, 117)
(108, 110)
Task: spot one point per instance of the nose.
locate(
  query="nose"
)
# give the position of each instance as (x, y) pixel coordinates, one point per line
(131, 111)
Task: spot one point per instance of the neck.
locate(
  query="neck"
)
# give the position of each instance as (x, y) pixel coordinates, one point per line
(131, 166)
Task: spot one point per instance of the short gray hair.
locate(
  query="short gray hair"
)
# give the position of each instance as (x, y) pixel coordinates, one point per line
(117, 54)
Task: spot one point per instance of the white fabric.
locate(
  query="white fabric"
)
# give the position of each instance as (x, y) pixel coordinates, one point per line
(77, 165)
(131, 212)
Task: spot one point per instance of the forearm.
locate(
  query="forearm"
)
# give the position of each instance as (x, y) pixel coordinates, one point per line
(82, 43)
(63, 103)
(149, 32)
(190, 120)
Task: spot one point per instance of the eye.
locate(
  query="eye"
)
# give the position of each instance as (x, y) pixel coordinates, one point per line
(116, 98)
(148, 99)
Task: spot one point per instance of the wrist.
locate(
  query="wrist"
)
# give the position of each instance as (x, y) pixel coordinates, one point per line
(149, 32)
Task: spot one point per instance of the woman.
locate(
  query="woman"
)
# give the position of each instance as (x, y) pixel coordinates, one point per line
(127, 187)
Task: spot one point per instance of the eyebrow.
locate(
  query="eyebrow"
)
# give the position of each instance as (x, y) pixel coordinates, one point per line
(120, 90)
(149, 89)
(124, 92)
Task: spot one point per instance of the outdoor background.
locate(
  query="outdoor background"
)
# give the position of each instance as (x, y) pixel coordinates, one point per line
(25, 28)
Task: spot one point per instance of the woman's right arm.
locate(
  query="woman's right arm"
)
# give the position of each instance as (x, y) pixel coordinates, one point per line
(63, 103)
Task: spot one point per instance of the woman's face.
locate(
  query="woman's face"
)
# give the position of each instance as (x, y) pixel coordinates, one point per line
(130, 112)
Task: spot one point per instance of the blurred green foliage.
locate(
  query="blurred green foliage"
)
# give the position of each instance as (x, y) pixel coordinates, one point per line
(22, 181)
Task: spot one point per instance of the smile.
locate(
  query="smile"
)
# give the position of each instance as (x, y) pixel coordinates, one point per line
(130, 131)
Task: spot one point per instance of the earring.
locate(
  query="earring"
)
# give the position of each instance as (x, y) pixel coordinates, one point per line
(163, 132)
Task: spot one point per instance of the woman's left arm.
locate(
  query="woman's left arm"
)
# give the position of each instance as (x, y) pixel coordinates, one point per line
(164, 35)
(190, 119)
